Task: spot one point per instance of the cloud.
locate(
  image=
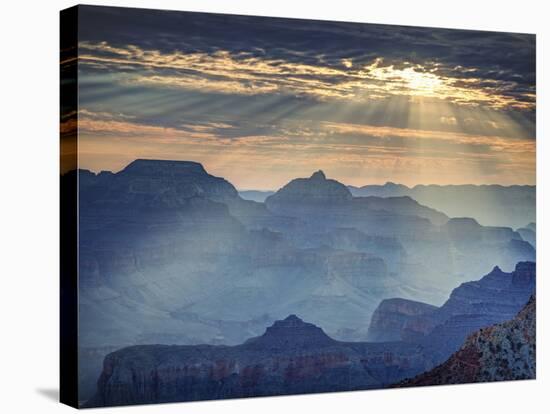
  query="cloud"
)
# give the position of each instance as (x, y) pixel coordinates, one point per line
(333, 146)
(493, 143)
(448, 120)
(307, 136)
(239, 73)
(262, 100)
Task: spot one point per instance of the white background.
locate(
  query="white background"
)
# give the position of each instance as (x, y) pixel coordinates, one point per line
(29, 205)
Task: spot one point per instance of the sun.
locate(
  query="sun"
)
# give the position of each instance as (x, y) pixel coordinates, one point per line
(411, 80)
(421, 83)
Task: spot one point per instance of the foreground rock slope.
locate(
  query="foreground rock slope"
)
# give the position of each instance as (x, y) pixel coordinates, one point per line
(501, 352)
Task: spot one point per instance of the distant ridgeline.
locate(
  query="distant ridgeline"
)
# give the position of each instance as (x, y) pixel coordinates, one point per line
(171, 254)
(492, 205)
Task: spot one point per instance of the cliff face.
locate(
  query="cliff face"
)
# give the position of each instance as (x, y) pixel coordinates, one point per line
(495, 298)
(184, 179)
(393, 316)
(291, 357)
(499, 352)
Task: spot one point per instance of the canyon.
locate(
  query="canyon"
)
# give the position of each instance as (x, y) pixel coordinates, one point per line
(171, 254)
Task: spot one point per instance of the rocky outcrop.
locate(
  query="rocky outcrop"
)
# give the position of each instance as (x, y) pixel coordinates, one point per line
(184, 179)
(150, 187)
(495, 298)
(501, 352)
(291, 357)
(168, 191)
(396, 319)
(498, 295)
(316, 189)
(291, 334)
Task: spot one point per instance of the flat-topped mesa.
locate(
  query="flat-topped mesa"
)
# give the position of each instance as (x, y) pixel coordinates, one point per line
(291, 333)
(316, 189)
(171, 181)
(160, 168)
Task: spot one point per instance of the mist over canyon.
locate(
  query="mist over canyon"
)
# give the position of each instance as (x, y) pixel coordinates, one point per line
(296, 357)
(172, 255)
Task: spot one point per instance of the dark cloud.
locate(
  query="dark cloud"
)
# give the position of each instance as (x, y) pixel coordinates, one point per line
(496, 55)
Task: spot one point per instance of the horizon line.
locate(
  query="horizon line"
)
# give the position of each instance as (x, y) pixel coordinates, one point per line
(492, 184)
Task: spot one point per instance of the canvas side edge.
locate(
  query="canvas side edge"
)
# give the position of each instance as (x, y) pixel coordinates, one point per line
(68, 383)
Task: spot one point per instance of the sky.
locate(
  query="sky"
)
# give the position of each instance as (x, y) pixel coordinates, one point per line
(260, 101)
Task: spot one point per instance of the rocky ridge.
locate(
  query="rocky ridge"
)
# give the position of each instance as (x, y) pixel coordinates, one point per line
(291, 357)
(500, 352)
(495, 298)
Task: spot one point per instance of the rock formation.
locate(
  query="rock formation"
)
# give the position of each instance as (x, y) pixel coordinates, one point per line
(394, 316)
(495, 298)
(500, 352)
(291, 357)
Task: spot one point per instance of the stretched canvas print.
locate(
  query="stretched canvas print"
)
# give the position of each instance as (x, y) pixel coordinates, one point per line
(256, 206)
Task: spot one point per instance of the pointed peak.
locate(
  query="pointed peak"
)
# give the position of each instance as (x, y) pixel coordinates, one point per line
(293, 319)
(292, 332)
(316, 189)
(318, 175)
